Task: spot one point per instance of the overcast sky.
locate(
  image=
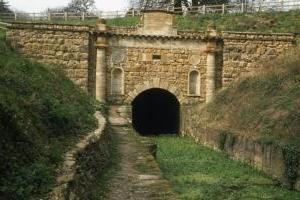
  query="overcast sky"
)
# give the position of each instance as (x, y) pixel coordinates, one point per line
(42, 5)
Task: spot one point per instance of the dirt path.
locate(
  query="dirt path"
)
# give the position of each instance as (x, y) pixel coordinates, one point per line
(139, 177)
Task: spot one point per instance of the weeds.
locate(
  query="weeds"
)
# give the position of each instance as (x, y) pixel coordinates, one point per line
(197, 172)
(41, 114)
(258, 22)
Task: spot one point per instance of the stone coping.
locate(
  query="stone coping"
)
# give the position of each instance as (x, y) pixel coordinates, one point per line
(201, 37)
(258, 36)
(67, 171)
(45, 26)
(162, 10)
(131, 32)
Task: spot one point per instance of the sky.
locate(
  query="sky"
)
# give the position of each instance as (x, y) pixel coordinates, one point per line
(42, 5)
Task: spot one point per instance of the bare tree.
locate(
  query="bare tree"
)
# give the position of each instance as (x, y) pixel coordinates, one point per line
(4, 7)
(56, 10)
(150, 4)
(81, 5)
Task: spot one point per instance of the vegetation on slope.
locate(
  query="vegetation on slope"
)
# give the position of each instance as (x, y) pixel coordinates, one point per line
(41, 113)
(199, 173)
(266, 104)
(257, 22)
(264, 107)
(278, 22)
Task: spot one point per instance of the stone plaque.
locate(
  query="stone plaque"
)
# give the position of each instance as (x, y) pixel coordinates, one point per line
(118, 55)
(194, 59)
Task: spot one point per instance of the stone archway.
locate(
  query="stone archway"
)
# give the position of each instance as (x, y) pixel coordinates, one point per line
(154, 83)
(156, 111)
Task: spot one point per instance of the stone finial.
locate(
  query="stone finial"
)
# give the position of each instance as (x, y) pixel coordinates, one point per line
(151, 23)
(211, 30)
(101, 25)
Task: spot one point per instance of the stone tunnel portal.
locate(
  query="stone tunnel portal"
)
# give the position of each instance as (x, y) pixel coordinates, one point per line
(156, 111)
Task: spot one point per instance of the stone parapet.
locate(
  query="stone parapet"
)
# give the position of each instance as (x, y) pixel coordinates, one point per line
(65, 46)
(226, 35)
(244, 52)
(49, 26)
(122, 30)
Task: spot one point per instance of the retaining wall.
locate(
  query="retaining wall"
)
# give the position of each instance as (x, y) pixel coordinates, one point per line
(269, 158)
(67, 46)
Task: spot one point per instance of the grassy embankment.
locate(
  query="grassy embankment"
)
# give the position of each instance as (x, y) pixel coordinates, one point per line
(258, 22)
(42, 113)
(264, 107)
(199, 173)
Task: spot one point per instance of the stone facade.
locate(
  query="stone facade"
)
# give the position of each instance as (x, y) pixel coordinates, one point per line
(243, 52)
(149, 55)
(142, 72)
(117, 64)
(62, 45)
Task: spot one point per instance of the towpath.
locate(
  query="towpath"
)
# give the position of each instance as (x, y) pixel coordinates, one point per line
(139, 177)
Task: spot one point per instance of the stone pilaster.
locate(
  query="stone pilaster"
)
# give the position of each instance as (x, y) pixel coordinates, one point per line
(101, 46)
(210, 76)
(211, 49)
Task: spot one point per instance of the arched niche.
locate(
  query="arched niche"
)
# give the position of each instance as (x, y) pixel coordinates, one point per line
(194, 83)
(117, 81)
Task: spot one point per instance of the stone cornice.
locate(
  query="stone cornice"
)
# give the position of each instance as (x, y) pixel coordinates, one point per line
(258, 36)
(110, 34)
(131, 32)
(52, 27)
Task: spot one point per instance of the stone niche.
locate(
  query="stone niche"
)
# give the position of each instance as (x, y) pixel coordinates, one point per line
(157, 22)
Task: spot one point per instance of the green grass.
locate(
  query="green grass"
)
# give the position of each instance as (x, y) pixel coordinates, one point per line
(277, 22)
(122, 22)
(273, 108)
(88, 22)
(197, 173)
(97, 166)
(42, 113)
(264, 107)
(103, 179)
(259, 22)
(125, 21)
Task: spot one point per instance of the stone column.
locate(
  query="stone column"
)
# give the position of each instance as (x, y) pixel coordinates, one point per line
(210, 76)
(101, 62)
(211, 49)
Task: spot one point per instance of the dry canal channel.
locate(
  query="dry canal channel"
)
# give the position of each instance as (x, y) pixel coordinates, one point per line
(138, 177)
(184, 169)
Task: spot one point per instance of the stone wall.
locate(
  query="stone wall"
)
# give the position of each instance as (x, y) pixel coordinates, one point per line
(243, 52)
(130, 49)
(66, 46)
(266, 157)
(136, 57)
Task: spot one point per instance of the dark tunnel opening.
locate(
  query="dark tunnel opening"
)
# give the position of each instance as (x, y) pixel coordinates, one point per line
(156, 111)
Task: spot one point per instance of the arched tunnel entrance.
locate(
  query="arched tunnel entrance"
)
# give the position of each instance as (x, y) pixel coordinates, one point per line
(156, 111)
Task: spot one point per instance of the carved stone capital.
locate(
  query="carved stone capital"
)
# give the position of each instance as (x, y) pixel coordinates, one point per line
(101, 43)
(211, 47)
